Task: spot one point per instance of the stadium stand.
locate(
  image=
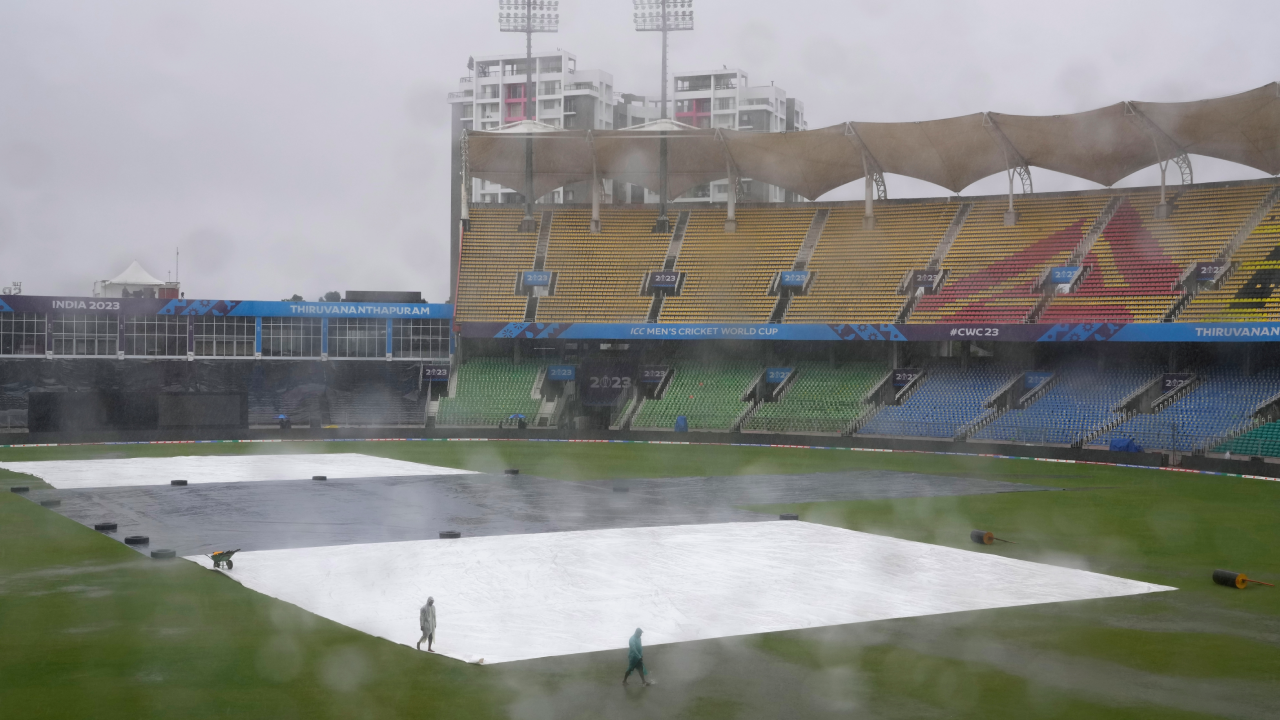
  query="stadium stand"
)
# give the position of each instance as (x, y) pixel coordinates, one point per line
(1083, 399)
(1223, 403)
(375, 406)
(293, 390)
(991, 267)
(370, 397)
(490, 390)
(493, 255)
(856, 271)
(947, 398)
(1136, 264)
(708, 394)
(821, 399)
(1248, 294)
(339, 394)
(728, 274)
(1263, 440)
(598, 277)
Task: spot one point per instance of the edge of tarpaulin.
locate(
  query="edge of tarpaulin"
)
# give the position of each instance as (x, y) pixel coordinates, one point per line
(646, 442)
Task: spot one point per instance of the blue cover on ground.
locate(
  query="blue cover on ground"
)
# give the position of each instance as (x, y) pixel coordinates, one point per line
(682, 423)
(1124, 445)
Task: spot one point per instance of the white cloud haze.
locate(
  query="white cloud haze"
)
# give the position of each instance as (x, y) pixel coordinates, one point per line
(304, 146)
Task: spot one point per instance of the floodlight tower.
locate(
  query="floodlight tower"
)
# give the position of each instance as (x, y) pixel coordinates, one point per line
(528, 17)
(663, 16)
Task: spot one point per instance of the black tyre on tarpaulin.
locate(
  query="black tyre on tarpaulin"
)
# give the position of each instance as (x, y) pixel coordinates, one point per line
(163, 554)
(105, 527)
(178, 483)
(137, 540)
(450, 534)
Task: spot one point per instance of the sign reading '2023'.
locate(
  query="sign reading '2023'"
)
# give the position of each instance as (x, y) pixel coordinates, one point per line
(1209, 270)
(561, 372)
(603, 382)
(902, 377)
(537, 278)
(793, 278)
(926, 278)
(775, 375)
(1064, 274)
(664, 279)
(653, 373)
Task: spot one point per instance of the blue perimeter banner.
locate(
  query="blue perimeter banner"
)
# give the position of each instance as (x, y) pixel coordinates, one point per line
(1068, 332)
(237, 308)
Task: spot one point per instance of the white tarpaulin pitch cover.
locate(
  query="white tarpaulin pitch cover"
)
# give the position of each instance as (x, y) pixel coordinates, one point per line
(77, 474)
(517, 597)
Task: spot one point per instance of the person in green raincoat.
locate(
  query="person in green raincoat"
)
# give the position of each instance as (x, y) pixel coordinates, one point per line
(635, 659)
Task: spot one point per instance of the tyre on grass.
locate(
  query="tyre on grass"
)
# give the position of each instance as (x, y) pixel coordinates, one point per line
(1230, 578)
(982, 537)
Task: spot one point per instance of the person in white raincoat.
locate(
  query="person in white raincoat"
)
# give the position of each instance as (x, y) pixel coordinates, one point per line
(427, 619)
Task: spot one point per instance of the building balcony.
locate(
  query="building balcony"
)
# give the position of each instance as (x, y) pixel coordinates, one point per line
(460, 95)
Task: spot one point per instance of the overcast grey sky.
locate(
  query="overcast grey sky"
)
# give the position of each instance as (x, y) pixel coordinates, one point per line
(304, 146)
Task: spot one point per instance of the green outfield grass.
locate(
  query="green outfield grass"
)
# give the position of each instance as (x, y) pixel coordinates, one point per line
(91, 629)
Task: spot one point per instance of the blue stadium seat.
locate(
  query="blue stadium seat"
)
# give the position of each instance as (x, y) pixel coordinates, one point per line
(947, 398)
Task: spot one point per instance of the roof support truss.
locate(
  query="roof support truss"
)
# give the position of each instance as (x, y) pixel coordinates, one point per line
(595, 186)
(1015, 165)
(735, 185)
(1166, 150)
(466, 191)
(873, 178)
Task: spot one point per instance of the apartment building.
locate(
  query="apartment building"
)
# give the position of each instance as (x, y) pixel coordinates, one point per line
(726, 99)
(494, 92)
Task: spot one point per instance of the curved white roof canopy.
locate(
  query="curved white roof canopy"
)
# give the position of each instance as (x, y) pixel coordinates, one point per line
(1103, 145)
